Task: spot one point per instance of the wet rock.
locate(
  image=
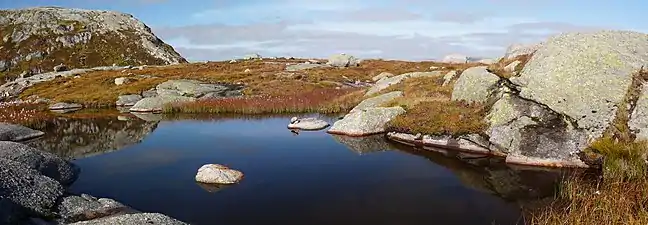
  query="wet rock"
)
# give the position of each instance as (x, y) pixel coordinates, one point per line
(308, 124)
(134, 219)
(218, 174)
(377, 101)
(45, 163)
(122, 80)
(475, 84)
(455, 58)
(343, 60)
(128, 100)
(156, 104)
(13, 132)
(365, 122)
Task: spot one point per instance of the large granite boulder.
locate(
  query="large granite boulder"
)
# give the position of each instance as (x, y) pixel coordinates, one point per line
(13, 132)
(584, 76)
(45, 163)
(530, 134)
(343, 60)
(475, 84)
(366, 122)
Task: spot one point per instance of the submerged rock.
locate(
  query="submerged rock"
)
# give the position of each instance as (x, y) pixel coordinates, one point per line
(366, 122)
(13, 132)
(308, 124)
(218, 174)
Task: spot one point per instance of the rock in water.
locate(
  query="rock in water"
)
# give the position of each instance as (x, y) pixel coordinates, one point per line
(45, 163)
(156, 104)
(12, 132)
(475, 84)
(218, 174)
(60, 31)
(366, 122)
(584, 76)
(308, 124)
(343, 60)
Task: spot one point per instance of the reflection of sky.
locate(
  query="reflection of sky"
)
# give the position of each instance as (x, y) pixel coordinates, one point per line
(306, 179)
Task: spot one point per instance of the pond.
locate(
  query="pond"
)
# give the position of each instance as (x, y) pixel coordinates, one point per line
(304, 178)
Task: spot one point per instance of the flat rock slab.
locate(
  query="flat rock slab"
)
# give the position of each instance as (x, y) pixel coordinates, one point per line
(188, 88)
(366, 122)
(156, 104)
(218, 174)
(65, 105)
(377, 101)
(128, 100)
(13, 132)
(308, 124)
(134, 219)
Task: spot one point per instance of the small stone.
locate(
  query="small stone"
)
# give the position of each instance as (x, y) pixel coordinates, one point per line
(218, 174)
(122, 80)
(247, 71)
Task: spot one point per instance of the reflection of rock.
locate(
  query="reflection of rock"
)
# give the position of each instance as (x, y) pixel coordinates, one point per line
(364, 145)
(149, 117)
(78, 138)
(211, 188)
(492, 175)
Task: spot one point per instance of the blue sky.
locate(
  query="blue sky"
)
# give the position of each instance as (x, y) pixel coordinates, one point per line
(396, 29)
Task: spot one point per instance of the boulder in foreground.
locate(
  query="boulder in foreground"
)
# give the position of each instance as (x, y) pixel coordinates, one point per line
(218, 174)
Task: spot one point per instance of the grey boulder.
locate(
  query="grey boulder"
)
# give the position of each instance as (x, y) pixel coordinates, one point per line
(218, 174)
(134, 219)
(475, 84)
(156, 104)
(45, 163)
(13, 132)
(377, 101)
(366, 122)
(85, 207)
(128, 100)
(343, 60)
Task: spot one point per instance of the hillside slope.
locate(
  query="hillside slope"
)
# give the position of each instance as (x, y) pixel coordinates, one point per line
(37, 39)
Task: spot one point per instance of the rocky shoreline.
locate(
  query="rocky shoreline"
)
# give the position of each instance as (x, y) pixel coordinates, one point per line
(34, 183)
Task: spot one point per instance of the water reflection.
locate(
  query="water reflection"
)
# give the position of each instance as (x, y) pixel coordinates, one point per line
(76, 138)
(365, 145)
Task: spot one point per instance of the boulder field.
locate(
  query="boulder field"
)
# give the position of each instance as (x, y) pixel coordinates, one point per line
(574, 88)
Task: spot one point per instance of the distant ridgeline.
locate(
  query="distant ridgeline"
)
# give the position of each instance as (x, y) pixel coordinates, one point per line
(34, 40)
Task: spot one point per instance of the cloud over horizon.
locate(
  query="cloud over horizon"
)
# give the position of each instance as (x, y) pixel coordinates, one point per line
(382, 30)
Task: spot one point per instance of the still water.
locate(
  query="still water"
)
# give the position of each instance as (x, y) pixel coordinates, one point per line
(306, 178)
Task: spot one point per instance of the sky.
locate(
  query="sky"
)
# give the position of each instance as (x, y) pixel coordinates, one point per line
(389, 29)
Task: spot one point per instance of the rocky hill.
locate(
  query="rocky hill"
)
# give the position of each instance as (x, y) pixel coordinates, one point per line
(34, 40)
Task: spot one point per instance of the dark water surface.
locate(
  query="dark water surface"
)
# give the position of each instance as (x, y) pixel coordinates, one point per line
(310, 178)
